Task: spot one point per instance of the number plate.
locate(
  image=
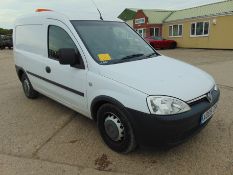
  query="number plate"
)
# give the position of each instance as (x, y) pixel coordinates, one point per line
(208, 114)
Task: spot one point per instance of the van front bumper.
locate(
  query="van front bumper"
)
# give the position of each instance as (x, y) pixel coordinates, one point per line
(153, 130)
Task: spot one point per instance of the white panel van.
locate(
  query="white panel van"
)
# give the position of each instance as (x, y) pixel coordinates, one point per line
(107, 72)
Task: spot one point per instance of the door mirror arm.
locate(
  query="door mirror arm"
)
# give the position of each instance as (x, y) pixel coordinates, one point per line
(78, 66)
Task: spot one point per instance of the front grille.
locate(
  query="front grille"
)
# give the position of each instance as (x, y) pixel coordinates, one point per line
(202, 98)
(198, 100)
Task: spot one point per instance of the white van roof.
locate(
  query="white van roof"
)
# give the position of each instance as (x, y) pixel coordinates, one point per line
(39, 17)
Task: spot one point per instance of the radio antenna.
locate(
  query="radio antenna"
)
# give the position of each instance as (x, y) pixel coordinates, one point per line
(97, 9)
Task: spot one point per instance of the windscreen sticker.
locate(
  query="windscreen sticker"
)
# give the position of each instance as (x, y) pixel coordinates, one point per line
(104, 57)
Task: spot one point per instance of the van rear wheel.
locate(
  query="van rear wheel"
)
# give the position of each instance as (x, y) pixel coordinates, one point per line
(115, 129)
(27, 88)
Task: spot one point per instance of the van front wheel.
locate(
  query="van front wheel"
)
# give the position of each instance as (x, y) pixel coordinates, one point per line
(27, 87)
(115, 129)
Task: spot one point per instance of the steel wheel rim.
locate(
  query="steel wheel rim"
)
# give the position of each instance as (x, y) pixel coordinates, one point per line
(26, 87)
(114, 127)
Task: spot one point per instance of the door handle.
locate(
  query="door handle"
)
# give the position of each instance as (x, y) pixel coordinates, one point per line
(48, 69)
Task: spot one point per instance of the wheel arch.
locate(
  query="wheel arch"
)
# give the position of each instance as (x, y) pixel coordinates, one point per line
(20, 71)
(99, 101)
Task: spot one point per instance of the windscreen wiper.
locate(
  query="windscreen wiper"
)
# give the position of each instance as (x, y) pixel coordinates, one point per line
(132, 56)
(152, 54)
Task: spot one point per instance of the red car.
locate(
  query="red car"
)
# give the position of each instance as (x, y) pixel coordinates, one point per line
(160, 43)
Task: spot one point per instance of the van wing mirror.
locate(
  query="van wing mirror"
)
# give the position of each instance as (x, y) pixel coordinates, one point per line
(68, 56)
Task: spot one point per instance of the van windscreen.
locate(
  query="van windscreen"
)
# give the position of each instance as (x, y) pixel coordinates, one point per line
(112, 42)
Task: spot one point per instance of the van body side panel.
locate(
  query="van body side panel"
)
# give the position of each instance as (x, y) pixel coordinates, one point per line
(30, 38)
(30, 50)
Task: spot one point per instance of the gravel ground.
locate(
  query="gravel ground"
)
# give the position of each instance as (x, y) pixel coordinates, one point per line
(43, 137)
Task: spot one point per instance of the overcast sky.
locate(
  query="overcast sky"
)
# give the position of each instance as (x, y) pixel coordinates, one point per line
(11, 9)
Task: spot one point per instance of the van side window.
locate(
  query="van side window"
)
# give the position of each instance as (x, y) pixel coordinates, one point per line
(58, 38)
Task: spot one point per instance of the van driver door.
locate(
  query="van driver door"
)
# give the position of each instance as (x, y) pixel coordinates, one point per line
(65, 83)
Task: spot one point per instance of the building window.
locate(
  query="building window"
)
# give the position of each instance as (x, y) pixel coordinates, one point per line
(142, 32)
(193, 29)
(140, 21)
(170, 31)
(176, 30)
(206, 28)
(200, 29)
(154, 31)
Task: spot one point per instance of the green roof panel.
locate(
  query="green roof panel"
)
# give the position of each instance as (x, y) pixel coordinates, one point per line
(155, 16)
(160, 16)
(127, 14)
(219, 8)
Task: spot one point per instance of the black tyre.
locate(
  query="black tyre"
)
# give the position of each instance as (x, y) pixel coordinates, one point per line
(27, 88)
(115, 129)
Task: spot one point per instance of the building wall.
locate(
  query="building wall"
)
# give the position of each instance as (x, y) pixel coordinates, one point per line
(146, 25)
(130, 23)
(220, 35)
(140, 14)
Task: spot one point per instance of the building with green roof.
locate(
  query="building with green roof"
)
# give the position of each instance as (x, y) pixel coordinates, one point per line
(215, 9)
(206, 26)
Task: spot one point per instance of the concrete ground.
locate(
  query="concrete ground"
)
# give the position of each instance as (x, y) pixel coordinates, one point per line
(43, 137)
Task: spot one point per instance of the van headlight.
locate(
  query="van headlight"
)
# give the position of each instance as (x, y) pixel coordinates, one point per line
(163, 105)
